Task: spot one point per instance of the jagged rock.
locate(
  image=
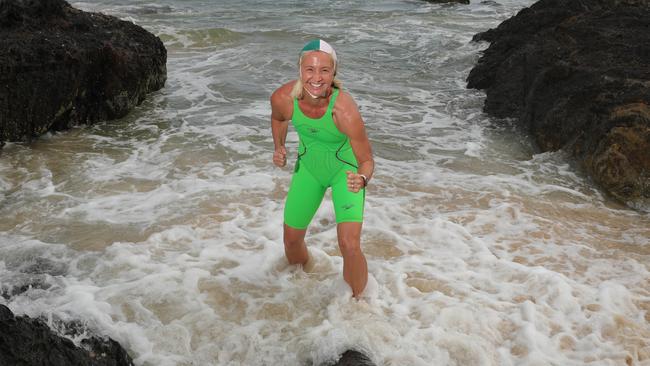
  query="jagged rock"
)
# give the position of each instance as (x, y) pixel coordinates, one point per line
(576, 73)
(353, 358)
(30, 342)
(60, 67)
(447, 1)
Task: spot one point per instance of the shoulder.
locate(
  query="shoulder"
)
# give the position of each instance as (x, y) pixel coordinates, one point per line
(281, 101)
(346, 108)
(283, 93)
(345, 101)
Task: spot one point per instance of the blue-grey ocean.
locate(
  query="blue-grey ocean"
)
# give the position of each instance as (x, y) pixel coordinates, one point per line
(163, 230)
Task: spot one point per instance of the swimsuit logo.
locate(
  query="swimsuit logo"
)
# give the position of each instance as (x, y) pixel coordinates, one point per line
(313, 130)
(348, 206)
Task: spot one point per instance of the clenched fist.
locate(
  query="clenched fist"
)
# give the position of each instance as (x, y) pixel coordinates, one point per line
(280, 157)
(355, 182)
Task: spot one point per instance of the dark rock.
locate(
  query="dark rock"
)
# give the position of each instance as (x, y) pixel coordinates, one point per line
(447, 1)
(576, 74)
(353, 358)
(61, 67)
(30, 342)
(5, 313)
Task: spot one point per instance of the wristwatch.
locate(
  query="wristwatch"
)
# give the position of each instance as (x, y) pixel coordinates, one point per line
(365, 180)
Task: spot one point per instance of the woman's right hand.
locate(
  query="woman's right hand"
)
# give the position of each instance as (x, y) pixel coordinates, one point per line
(280, 157)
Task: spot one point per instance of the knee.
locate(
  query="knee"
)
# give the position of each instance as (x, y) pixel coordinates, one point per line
(350, 246)
(292, 241)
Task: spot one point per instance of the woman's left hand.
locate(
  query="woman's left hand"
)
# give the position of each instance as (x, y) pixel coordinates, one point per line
(355, 182)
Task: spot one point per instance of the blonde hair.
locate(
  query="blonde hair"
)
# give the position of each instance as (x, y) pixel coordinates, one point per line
(298, 87)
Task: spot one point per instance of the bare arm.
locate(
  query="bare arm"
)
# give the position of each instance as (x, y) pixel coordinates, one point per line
(281, 109)
(279, 130)
(349, 121)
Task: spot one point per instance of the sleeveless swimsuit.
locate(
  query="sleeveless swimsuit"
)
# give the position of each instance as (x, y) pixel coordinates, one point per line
(324, 155)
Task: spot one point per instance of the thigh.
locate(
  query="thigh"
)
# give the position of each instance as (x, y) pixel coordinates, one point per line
(348, 206)
(304, 198)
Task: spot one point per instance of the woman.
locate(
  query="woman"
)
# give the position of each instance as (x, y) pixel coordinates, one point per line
(334, 151)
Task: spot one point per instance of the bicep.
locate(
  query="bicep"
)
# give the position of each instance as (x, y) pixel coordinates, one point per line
(279, 108)
(351, 124)
(361, 146)
(277, 116)
(356, 132)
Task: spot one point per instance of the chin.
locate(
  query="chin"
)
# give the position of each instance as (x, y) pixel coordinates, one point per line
(316, 94)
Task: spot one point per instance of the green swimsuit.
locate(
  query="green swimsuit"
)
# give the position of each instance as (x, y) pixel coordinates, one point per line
(324, 155)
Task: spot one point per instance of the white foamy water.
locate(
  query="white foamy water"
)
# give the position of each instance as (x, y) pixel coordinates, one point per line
(163, 230)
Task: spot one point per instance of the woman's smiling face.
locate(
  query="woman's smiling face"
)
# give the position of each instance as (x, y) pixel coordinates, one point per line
(317, 73)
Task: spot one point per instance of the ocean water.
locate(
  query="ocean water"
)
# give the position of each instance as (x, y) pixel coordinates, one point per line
(163, 230)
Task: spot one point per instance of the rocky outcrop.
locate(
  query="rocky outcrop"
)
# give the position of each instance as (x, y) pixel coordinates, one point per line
(30, 342)
(353, 358)
(447, 1)
(576, 74)
(60, 66)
